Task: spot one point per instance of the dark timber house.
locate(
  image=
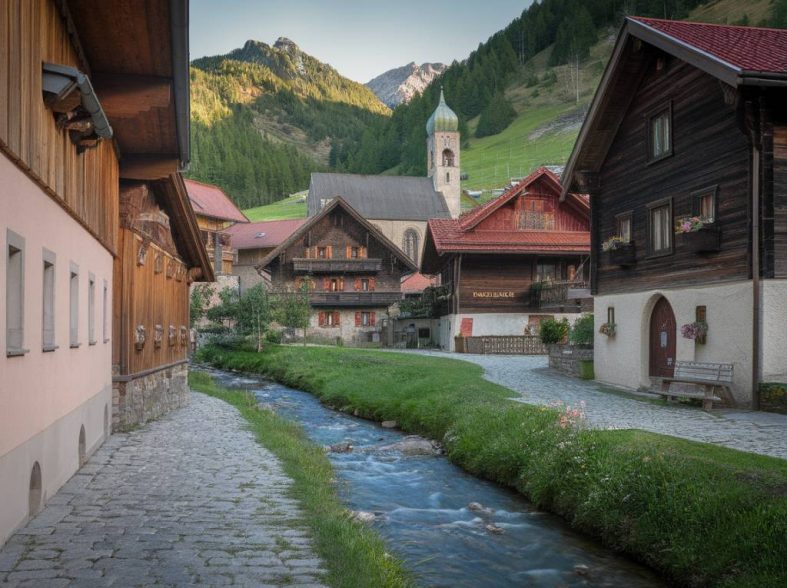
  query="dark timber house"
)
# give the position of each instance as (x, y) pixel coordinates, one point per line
(689, 121)
(354, 272)
(512, 262)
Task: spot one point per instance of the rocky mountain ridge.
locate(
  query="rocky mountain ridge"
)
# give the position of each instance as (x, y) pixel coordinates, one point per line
(399, 85)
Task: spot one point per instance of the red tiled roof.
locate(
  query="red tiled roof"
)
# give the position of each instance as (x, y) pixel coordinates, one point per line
(449, 236)
(415, 283)
(210, 200)
(271, 233)
(744, 48)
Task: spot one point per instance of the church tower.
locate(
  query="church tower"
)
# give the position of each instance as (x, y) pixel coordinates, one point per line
(442, 148)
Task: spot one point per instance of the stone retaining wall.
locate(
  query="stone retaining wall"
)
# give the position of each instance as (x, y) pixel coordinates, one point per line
(148, 397)
(570, 360)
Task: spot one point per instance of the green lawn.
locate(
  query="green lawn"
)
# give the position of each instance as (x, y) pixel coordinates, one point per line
(292, 207)
(702, 515)
(355, 554)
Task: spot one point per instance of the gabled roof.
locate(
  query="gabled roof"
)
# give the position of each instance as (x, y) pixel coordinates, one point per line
(380, 197)
(737, 56)
(417, 283)
(211, 201)
(263, 235)
(475, 216)
(314, 220)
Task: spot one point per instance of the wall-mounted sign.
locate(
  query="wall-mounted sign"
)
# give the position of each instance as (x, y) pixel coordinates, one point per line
(494, 294)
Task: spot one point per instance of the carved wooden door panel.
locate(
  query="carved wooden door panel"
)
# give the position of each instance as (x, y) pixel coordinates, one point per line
(662, 340)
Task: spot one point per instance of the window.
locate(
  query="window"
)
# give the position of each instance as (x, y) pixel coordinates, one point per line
(73, 293)
(322, 252)
(334, 285)
(329, 319)
(611, 315)
(15, 294)
(91, 309)
(364, 284)
(660, 227)
(365, 319)
(623, 222)
(660, 134)
(547, 272)
(410, 244)
(105, 310)
(48, 303)
(704, 203)
(355, 252)
(448, 158)
(539, 214)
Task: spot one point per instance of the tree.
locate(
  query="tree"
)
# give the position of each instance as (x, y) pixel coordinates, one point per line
(496, 116)
(253, 313)
(292, 308)
(200, 298)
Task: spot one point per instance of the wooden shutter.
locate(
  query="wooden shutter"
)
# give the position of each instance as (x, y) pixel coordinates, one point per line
(341, 284)
(336, 319)
(372, 318)
(348, 252)
(322, 319)
(329, 252)
(357, 319)
(357, 284)
(372, 284)
(326, 284)
(362, 252)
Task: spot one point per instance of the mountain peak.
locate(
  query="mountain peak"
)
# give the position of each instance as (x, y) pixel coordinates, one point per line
(400, 84)
(285, 44)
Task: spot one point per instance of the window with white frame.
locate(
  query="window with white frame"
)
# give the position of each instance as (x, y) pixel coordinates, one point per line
(73, 305)
(91, 309)
(15, 294)
(48, 303)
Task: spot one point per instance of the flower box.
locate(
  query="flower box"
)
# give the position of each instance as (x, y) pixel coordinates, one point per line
(623, 255)
(704, 240)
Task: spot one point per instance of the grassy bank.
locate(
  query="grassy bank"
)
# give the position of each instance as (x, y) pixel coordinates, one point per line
(701, 514)
(354, 554)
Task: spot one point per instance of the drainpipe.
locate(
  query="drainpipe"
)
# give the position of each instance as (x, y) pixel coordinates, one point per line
(756, 142)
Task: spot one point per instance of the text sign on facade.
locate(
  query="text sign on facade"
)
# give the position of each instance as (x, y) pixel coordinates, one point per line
(494, 294)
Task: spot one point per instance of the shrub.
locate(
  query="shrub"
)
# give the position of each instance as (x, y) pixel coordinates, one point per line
(553, 331)
(273, 337)
(582, 331)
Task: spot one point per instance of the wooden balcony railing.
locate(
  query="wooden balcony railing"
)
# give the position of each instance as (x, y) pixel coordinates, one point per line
(567, 296)
(354, 298)
(303, 265)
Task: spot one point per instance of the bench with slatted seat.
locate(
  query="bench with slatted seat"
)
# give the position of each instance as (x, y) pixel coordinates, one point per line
(712, 377)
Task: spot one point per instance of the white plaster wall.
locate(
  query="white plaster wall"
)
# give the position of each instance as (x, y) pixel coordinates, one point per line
(491, 324)
(40, 391)
(623, 360)
(774, 330)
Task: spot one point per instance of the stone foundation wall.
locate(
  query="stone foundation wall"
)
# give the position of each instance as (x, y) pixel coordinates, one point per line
(569, 359)
(148, 397)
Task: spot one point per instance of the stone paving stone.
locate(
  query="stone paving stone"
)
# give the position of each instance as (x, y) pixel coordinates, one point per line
(172, 504)
(530, 376)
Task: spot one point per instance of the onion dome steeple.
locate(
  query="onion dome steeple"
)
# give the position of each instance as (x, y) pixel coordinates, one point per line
(443, 118)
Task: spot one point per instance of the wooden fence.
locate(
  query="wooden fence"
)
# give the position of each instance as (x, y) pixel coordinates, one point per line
(505, 345)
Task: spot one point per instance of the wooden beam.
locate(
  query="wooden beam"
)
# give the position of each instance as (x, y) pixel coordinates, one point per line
(125, 96)
(148, 167)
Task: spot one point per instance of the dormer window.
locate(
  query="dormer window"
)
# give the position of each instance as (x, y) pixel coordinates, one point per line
(660, 133)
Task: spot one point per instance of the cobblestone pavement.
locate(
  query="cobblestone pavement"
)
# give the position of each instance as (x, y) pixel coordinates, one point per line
(757, 432)
(191, 498)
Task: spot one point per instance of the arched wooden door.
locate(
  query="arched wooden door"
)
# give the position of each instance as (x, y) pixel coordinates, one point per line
(662, 340)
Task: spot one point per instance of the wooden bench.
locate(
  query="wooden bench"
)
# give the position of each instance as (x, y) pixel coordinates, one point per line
(712, 377)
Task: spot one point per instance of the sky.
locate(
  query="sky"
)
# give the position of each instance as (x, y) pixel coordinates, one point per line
(360, 38)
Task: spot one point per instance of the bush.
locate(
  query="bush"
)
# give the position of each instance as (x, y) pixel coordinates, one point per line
(553, 331)
(582, 332)
(273, 337)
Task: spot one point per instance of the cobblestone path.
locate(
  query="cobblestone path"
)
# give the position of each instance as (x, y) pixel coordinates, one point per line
(757, 432)
(191, 498)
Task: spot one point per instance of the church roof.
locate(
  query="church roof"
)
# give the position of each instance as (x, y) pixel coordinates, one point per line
(443, 118)
(380, 197)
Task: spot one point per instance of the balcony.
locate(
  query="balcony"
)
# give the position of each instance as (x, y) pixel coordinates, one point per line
(337, 299)
(302, 265)
(562, 296)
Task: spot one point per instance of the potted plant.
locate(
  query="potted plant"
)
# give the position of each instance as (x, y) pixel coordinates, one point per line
(698, 331)
(608, 329)
(699, 234)
(618, 251)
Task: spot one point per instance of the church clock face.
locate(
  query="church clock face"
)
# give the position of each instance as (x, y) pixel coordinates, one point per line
(447, 142)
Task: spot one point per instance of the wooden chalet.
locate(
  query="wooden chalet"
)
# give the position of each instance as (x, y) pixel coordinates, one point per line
(512, 262)
(354, 272)
(684, 155)
(215, 214)
(100, 242)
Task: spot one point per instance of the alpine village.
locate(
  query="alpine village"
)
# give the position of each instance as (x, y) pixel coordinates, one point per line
(516, 319)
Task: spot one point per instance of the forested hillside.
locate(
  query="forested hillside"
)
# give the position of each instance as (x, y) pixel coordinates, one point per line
(264, 117)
